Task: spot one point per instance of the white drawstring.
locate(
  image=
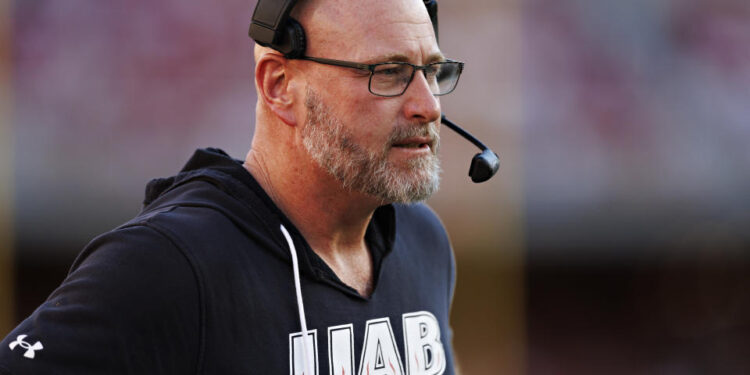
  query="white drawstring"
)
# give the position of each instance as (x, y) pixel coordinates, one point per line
(300, 305)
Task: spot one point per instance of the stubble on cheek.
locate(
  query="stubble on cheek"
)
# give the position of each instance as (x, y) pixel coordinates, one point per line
(334, 148)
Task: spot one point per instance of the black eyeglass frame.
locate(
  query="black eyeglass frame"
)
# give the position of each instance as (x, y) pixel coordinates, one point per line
(371, 68)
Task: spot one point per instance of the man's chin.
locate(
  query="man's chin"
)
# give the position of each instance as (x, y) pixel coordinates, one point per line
(410, 185)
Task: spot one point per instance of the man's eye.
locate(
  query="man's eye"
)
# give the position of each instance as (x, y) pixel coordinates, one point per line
(390, 70)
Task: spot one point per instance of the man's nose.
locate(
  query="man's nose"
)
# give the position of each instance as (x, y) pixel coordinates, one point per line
(420, 103)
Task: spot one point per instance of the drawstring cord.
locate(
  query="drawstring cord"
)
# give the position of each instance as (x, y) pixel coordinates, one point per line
(300, 305)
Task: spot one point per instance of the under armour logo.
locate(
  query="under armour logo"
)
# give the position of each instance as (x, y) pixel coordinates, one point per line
(30, 349)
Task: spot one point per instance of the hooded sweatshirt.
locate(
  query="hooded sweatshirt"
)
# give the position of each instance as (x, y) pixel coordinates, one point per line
(202, 282)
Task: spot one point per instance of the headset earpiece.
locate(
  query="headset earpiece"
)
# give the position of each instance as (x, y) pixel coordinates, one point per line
(293, 42)
(272, 27)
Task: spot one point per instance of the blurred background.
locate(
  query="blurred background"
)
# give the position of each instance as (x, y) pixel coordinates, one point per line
(615, 238)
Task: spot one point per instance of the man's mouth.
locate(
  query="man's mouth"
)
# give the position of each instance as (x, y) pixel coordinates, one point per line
(414, 143)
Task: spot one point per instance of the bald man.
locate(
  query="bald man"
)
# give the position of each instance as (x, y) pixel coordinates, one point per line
(312, 255)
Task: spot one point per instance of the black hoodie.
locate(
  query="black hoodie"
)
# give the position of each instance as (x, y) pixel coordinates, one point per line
(201, 282)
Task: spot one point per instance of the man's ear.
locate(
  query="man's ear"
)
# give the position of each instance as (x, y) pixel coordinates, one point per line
(272, 80)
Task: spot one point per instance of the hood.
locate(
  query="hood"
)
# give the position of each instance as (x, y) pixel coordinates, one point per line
(210, 164)
(229, 188)
(214, 180)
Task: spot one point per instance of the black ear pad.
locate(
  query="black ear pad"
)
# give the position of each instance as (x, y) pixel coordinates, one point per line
(290, 40)
(294, 42)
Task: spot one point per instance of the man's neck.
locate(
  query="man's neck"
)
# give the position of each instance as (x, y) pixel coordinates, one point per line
(332, 220)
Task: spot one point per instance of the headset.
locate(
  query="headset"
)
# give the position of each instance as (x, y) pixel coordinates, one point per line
(272, 27)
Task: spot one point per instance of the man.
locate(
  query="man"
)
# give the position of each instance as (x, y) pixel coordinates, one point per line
(309, 257)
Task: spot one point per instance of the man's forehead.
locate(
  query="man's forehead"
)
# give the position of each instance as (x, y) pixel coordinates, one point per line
(368, 29)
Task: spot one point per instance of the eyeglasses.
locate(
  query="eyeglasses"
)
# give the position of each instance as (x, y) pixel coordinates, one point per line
(393, 78)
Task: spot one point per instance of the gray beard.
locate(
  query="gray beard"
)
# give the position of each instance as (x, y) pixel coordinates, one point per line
(332, 147)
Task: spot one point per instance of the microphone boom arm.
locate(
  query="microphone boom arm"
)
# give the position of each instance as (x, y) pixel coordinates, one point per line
(463, 133)
(485, 164)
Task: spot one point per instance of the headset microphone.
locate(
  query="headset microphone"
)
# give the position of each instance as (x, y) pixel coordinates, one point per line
(484, 165)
